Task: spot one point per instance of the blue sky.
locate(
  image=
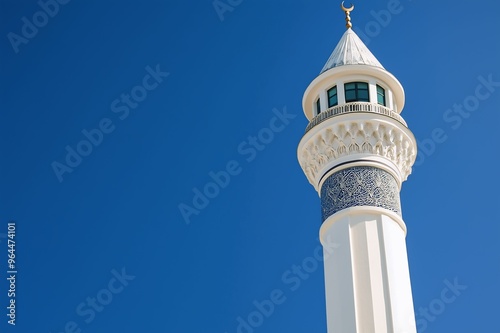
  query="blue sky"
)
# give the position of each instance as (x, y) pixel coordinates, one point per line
(101, 244)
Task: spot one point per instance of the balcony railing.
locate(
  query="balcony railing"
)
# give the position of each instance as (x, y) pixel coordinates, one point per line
(354, 107)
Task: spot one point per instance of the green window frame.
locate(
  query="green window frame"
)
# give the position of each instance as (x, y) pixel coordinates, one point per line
(318, 106)
(356, 92)
(332, 97)
(380, 95)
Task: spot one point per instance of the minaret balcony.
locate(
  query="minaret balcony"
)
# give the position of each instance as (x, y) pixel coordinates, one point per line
(359, 107)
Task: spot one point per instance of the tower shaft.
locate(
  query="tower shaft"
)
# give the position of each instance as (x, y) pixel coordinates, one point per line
(367, 280)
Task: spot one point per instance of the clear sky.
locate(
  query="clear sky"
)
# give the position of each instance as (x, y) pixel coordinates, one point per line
(115, 113)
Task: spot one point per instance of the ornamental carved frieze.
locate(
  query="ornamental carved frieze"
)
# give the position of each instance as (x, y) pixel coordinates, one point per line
(369, 137)
(359, 186)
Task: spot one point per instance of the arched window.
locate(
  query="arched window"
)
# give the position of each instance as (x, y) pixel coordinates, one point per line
(318, 106)
(380, 95)
(332, 97)
(356, 92)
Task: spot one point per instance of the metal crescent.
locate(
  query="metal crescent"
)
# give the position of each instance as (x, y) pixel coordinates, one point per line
(346, 9)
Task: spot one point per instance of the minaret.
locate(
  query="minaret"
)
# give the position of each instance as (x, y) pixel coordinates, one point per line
(356, 152)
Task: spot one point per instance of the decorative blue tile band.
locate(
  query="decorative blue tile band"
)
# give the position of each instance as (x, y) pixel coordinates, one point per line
(359, 186)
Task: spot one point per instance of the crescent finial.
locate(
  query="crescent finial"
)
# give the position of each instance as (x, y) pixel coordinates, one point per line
(347, 11)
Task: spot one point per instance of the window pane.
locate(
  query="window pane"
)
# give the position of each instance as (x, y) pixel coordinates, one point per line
(381, 99)
(350, 86)
(332, 92)
(332, 97)
(350, 95)
(362, 85)
(380, 95)
(332, 101)
(318, 106)
(363, 95)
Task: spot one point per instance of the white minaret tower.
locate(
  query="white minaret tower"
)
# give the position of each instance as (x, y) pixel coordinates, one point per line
(356, 152)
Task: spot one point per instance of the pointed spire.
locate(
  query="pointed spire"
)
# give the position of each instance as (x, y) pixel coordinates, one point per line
(350, 50)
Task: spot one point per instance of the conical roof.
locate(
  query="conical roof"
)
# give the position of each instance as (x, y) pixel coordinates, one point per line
(351, 51)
